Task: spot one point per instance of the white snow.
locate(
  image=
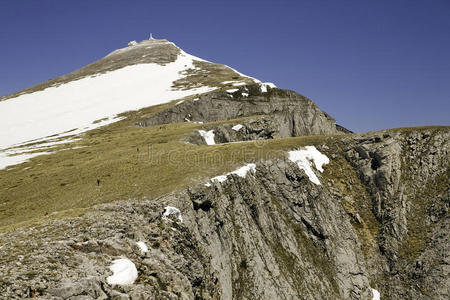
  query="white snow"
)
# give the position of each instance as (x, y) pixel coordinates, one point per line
(179, 102)
(77, 104)
(237, 127)
(245, 94)
(234, 83)
(142, 246)
(241, 172)
(376, 294)
(170, 210)
(7, 160)
(264, 86)
(71, 108)
(22, 153)
(220, 178)
(42, 146)
(232, 90)
(305, 158)
(124, 272)
(208, 136)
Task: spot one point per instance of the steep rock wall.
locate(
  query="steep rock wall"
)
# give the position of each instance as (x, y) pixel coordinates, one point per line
(290, 113)
(379, 220)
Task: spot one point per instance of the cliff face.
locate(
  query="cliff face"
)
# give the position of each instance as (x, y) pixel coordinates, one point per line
(407, 180)
(278, 113)
(379, 219)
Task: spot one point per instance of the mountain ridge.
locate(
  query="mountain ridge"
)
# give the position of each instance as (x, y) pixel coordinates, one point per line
(195, 190)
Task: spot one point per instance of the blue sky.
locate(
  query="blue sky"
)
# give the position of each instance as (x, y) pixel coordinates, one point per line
(370, 64)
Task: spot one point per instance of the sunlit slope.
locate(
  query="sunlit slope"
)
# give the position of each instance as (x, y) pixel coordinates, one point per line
(141, 75)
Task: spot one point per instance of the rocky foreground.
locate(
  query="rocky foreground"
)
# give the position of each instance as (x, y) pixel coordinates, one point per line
(378, 220)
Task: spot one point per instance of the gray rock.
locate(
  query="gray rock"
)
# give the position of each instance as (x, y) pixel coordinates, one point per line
(285, 112)
(379, 220)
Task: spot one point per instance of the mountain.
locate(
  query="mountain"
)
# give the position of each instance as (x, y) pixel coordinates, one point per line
(153, 174)
(143, 74)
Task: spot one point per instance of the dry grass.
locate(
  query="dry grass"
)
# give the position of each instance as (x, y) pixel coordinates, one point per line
(130, 162)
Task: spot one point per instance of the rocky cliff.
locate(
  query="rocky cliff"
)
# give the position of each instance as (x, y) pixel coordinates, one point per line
(278, 113)
(379, 219)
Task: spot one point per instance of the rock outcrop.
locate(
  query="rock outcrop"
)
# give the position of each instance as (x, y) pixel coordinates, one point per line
(276, 113)
(380, 219)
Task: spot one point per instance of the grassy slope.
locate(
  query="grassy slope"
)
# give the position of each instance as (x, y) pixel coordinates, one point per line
(67, 180)
(164, 163)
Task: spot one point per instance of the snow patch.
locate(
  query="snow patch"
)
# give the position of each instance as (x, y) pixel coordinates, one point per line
(305, 158)
(237, 127)
(6, 159)
(376, 294)
(142, 246)
(132, 43)
(245, 94)
(170, 210)
(179, 102)
(124, 272)
(241, 172)
(220, 178)
(208, 136)
(264, 86)
(234, 83)
(232, 91)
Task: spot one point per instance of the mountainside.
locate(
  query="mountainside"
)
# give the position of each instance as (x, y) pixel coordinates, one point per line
(203, 183)
(143, 74)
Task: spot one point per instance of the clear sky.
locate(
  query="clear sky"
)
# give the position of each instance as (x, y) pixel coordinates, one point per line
(370, 64)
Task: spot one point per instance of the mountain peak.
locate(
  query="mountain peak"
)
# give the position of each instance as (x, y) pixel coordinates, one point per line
(140, 75)
(159, 51)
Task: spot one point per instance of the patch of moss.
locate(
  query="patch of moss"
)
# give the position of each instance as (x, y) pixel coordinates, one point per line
(288, 263)
(355, 199)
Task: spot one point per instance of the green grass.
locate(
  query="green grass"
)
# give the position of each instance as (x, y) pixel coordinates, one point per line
(67, 180)
(355, 198)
